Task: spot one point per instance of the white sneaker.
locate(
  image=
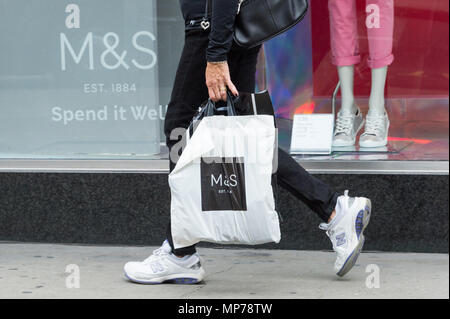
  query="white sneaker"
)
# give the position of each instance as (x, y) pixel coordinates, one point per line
(163, 266)
(376, 131)
(347, 127)
(346, 230)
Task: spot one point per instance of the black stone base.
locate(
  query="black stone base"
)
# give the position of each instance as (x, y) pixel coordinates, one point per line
(411, 213)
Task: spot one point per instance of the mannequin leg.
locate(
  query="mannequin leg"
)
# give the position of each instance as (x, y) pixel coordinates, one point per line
(346, 76)
(349, 119)
(344, 32)
(344, 47)
(345, 54)
(376, 101)
(380, 33)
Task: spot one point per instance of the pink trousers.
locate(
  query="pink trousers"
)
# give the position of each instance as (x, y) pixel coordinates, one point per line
(344, 32)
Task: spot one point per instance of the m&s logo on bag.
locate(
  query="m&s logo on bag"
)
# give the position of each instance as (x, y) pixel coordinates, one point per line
(224, 181)
(223, 184)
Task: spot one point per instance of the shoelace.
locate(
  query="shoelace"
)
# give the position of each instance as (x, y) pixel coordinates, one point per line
(157, 254)
(344, 124)
(374, 125)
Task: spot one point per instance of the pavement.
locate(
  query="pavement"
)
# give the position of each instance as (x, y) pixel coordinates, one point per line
(72, 272)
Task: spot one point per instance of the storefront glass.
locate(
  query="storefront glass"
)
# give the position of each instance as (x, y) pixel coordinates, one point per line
(89, 79)
(92, 79)
(301, 77)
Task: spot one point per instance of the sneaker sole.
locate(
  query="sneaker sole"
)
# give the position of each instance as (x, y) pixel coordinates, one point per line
(187, 279)
(351, 260)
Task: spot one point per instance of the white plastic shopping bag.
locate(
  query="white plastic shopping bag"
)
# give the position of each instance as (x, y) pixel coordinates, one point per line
(221, 186)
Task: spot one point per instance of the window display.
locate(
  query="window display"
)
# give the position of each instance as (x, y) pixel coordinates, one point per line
(415, 89)
(85, 83)
(345, 54)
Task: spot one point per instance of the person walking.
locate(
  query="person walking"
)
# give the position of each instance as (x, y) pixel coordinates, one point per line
(210, 65)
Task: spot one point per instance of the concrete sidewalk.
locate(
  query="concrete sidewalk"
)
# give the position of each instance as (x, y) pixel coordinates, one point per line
(39, 271)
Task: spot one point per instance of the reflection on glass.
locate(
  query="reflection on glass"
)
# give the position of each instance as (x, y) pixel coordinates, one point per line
(302, 77)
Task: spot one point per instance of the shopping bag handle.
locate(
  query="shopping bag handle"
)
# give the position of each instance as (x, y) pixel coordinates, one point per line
(211, 108)
(208, 108)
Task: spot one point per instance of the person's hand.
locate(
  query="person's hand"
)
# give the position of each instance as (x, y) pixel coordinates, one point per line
(218, 79)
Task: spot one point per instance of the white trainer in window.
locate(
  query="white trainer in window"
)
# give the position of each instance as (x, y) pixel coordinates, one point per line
(347, 127)
(376, 131)
(346, 230)
(164, 267)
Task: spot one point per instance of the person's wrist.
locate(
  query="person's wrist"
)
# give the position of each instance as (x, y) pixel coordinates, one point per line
(217, 62)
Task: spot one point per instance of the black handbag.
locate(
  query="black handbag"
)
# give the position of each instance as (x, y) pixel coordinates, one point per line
(258, 21)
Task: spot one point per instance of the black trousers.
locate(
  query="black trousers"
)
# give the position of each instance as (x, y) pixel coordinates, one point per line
(190, 91)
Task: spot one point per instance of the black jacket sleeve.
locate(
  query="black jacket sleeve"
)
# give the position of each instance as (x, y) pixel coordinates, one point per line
(222, 27)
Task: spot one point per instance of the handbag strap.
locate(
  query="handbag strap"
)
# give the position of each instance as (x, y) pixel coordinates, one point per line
(208, 10)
